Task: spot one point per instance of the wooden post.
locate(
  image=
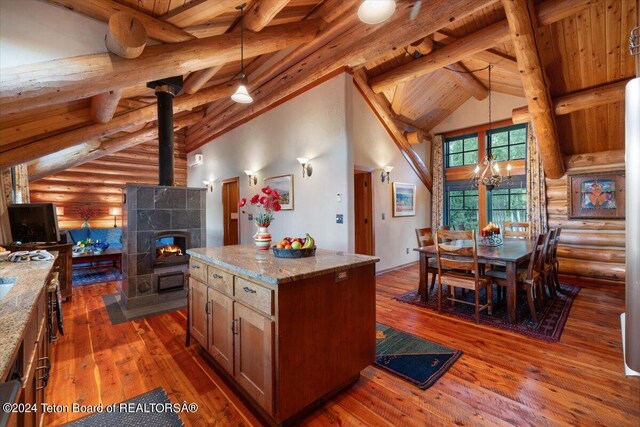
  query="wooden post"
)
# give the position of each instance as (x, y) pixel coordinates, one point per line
(521, 19)
(104, 105)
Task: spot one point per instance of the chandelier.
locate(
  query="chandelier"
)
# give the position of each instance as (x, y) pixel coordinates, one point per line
(490, 177)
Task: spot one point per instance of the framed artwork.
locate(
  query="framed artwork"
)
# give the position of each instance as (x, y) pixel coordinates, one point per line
(283, 184)
(404, 199)
(596, 195)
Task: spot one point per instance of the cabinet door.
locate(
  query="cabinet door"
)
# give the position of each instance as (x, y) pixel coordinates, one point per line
(254, 354)
(220, 334)
(198, 311)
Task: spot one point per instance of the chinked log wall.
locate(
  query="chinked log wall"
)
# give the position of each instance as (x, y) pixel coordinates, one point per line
(593, 249)
(98, 184)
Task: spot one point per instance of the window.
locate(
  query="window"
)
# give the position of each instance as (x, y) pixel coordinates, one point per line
(461, 205)
(508, 143)
(461, 150)
(508, 204)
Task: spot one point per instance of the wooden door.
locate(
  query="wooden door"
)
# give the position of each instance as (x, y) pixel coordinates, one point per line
(231, 218)
(363, 193)
(198, 311)
(220, 334)
(254, 354)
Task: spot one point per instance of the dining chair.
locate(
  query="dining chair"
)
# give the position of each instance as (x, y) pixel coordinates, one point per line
(555, 264)
(457, 255)
(458, 227)
(425, 238)
(546, 264)
(529, 278)
(519, 230)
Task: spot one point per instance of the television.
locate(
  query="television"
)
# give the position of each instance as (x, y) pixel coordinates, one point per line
(34, 223)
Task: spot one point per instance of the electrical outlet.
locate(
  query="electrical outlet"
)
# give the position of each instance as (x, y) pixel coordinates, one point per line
(250, 217)
(407, 251)
(383, 216)
(339, 219)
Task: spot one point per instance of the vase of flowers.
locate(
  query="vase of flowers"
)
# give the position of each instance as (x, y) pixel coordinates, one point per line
(86, 214)
(267, 202)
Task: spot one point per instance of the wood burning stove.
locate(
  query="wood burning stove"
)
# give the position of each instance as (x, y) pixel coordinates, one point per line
(169, 248)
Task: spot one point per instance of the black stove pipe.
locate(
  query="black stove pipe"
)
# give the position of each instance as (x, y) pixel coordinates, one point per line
(165, 94)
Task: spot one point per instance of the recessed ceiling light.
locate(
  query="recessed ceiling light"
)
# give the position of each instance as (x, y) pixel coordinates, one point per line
(376, 11)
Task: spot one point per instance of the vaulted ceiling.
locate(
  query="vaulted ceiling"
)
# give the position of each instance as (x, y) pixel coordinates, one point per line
(583, 44)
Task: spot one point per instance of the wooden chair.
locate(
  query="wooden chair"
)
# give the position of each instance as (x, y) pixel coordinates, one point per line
(529, 278)
(555, 264)
(457, 254)
(547, 262)
(518, 230)
(425, 238)
(458, 227)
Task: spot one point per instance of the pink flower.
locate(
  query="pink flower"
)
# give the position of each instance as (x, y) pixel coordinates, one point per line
(243, 202)
(275, 195)
(276, 206)
(266, 190)
(263, 200)
(255, 199)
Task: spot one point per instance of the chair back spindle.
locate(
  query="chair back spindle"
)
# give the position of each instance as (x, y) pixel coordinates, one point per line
(519, 230)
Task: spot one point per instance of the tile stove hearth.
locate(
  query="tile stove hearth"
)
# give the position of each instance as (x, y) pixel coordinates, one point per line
(159, 224)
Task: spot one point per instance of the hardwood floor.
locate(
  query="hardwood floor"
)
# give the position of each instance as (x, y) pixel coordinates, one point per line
(502, 378)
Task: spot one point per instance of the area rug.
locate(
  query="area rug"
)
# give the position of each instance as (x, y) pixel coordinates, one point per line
(411, 358)
(91, 275)
(551, 318)
(150, 409)
(118, 316)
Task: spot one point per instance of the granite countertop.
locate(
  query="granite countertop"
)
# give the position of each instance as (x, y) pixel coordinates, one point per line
(18, 304)
(248, 261)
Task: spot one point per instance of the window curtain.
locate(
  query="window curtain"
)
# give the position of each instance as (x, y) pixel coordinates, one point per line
(437, 194)
(536, 187)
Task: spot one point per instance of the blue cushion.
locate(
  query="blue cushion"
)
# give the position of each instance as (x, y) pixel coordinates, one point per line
(114, 236)
(78, 234)
(98, 234)
(115, 246)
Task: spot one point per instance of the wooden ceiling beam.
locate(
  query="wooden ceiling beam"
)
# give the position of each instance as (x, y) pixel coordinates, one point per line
(357, 45)
(490, 56)
(198, 11)
(120, 123)
(580, 100)
(104, 105)
(103, 9)
(381, 108)
(68, 79)
(472, 44)
(522, 24)
(467, 81)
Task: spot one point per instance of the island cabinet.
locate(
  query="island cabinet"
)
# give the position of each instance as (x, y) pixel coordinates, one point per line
(289, 340)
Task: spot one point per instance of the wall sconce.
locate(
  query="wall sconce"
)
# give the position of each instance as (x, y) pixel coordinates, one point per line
(253, 179)
(115, 211)
(208, 185)
(384, 175)
(307, 169)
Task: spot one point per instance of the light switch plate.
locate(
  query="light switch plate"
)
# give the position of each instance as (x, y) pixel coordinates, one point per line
(339, 219)
(383, 216)
(250, 217)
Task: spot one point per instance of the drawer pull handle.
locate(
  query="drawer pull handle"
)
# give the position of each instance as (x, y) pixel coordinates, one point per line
(249, 290)
(216, 276)
(233, 327)
(195, 266)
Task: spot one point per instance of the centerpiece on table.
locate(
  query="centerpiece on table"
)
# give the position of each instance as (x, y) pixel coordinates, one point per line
(86, 214)
(268, 202)
(491, 235)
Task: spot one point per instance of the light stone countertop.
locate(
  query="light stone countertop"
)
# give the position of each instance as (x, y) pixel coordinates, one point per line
(248, 261)
(18, 304)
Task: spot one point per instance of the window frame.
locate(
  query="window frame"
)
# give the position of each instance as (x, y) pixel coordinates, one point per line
(508, 146)
(461, 138)
(460, 185)
(517, 183)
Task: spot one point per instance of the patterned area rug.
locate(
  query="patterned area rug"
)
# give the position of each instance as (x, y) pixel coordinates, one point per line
(551, 318)
(90, 275)
(413, 359)
(147, 410)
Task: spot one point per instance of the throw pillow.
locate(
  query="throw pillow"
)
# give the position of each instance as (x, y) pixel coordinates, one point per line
(98, 234)
(114, 235)
(78, 234)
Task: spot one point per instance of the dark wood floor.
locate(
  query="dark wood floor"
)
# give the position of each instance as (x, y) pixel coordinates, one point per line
(502, 379)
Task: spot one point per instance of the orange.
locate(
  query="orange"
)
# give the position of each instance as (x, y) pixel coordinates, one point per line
(288, 246)
(279, 245)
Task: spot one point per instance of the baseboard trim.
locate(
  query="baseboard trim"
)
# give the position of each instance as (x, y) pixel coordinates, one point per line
(398, 267)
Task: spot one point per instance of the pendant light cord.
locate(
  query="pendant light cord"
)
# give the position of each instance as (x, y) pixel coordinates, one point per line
(242, 40)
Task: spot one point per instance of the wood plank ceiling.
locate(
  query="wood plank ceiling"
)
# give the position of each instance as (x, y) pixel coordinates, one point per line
(584, 46)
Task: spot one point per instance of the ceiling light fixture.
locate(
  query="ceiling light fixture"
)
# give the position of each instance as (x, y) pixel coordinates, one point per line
(376, 11)
(241, 95)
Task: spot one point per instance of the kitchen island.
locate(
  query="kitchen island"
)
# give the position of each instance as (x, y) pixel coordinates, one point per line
(288, 333)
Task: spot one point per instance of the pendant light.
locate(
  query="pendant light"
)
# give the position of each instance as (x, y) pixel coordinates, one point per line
(376, 11)
(241, 95)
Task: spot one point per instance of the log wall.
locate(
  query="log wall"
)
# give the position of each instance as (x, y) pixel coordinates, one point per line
(589, 249)
(98, 184)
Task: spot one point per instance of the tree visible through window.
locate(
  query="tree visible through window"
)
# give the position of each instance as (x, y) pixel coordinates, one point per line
(461, 150)
(508, 204)
(462, 208)
(508, 143)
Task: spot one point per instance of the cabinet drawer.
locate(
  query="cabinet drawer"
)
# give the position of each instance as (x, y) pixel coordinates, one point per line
(198, 270)
(254, 295)
(220, 280)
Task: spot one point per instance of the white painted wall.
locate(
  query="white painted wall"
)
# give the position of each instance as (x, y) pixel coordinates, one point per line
(311, 125)
(34, 31)
(374, 148)
(474, 112)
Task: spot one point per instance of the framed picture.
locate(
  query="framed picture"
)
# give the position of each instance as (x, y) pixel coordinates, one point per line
(596, 195)
(404, 199)
(283, 184)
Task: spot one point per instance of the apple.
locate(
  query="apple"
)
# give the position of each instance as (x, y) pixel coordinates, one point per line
(296, 245)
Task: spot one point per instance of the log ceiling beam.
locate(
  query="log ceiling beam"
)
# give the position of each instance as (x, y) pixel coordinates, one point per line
(104, 105)
(123, 122)
(198, 11)
(103, 9)
(93, 150)
(64, 80)
(381, 108)
(521, 17)
(472, 44)
(467, 81)
(358, 44)
(580, 100)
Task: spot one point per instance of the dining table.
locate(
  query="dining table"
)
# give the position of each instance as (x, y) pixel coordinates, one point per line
(511, 253)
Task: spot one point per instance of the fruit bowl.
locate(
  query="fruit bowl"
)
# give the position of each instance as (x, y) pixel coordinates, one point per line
(293, 253)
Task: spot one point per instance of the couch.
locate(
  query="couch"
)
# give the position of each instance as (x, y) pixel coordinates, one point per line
(112, 236)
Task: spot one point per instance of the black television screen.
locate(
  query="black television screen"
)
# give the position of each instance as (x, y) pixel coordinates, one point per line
(34, 222)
